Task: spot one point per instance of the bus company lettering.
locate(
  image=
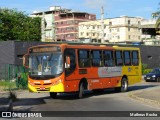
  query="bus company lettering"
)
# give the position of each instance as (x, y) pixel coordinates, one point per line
(109, 71)
(95, 81)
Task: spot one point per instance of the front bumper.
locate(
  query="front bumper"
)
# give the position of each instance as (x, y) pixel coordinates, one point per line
(56, 88)
(152, 79)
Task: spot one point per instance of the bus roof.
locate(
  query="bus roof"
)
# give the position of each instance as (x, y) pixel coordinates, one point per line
(79, 46)
(88, 46)
(125, 48)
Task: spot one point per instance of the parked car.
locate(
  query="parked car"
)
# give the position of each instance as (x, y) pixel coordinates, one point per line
(153, 76)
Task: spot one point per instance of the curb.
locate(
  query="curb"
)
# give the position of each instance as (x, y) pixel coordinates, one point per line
(144, 100)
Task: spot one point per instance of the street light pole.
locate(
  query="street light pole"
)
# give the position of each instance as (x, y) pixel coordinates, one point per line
(102, 24)
(43, 27)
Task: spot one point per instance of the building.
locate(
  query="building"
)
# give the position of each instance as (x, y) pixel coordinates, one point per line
(67, 24)
(149, 34)
(61, 24)
(122, 29)
(90, 30)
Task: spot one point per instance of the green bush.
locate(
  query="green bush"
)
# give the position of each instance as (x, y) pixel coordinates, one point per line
(145, 70)
(144, 66)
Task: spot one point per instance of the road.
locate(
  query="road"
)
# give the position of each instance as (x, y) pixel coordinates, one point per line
(102, 101)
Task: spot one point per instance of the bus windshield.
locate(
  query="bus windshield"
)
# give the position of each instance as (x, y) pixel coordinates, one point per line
(45, 63)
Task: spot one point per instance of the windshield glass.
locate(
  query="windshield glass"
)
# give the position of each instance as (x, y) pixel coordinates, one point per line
(45, 63)
(156, 71)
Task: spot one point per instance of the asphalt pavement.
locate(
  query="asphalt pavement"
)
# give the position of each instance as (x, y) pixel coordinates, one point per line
(150, 95)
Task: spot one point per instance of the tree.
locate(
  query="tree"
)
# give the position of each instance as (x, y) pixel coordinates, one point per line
(16, 25)
(157, 15)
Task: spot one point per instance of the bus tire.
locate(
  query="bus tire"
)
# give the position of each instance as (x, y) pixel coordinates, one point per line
(53, 94)
(81, 90)
(124, 84)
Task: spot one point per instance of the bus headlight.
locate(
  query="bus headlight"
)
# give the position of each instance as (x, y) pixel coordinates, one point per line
(32, 84)
(57, 82)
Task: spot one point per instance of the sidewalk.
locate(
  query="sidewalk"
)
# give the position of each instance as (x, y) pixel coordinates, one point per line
(4, 99)
(150, 96)
(25, 100)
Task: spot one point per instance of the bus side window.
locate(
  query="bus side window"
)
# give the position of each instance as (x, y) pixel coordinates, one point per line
(70, 53)
(96, 58)
(135, 60)
(119, 58)
(127, 57)
(84, 58)
(108, 58)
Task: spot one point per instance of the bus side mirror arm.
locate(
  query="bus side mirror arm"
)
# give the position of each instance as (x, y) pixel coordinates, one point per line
(25, 61)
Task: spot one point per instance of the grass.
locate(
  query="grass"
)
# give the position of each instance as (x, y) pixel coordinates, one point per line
(7, 85)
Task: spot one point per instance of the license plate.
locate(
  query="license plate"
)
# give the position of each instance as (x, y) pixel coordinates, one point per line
(148, 78)
(42, 88)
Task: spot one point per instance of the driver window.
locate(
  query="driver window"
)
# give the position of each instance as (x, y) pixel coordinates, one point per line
(71, 54)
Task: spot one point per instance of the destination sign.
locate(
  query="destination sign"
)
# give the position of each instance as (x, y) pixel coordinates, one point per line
(45, 49)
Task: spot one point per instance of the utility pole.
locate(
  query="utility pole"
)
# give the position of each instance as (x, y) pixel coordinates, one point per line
(102, 24)
(53, 28)
(43, 28)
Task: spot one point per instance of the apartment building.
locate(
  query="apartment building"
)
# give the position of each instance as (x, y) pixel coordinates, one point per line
(62, 24)
(122, 29)
(67, 24)
(91, 30)
(149, 34)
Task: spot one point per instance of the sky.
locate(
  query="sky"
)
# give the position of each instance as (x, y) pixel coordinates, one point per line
(112, 8)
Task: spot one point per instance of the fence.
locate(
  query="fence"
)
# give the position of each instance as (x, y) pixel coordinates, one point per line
(14, 72)
(10, 71)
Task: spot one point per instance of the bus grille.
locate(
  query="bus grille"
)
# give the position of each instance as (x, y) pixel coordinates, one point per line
(47, 83)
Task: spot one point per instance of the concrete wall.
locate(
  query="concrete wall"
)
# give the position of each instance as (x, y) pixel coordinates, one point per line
(150, 55)
(21, 48)
(11, 52)
(7, 54)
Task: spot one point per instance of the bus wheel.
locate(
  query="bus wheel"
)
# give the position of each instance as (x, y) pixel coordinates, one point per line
(124, 85)
(53, 94)
(81, 90)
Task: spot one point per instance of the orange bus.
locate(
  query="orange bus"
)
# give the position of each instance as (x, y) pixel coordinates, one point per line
(63, 68)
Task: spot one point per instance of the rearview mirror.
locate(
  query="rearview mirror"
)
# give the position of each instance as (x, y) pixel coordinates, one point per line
(26, 60)
(68, 62)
